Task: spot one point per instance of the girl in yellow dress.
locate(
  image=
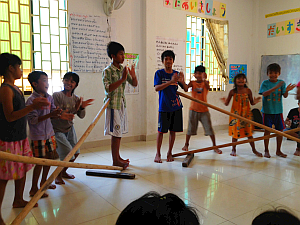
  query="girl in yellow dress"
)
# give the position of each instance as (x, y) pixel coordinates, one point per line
(242, 98)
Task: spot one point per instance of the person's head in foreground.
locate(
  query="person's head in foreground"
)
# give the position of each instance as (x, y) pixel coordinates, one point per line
(276, 217)
(156, 209)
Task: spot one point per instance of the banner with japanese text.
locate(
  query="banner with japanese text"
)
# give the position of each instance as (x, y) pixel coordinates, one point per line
(207, 7)
(283, 28)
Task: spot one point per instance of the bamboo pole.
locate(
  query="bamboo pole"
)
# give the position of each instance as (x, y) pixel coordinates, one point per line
(233, 143)
(49, 162)
(45, 186)
(240, 117)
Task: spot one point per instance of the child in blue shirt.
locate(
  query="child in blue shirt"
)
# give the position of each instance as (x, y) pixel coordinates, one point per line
(166, 82)
(272, 91)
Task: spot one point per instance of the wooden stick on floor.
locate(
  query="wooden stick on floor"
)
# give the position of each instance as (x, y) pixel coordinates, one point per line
(240, 117)
(233, 143)
(50, 162)
(45, 186)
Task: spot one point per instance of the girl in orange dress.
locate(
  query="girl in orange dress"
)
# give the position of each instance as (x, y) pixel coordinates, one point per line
(242, 98)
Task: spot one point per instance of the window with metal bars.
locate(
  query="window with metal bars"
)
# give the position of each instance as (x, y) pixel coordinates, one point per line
(200, 52)
(36, 31)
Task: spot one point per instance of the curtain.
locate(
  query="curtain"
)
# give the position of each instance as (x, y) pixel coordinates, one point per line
(218, 36)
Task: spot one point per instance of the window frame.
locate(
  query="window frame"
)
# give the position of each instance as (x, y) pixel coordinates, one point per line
(204, 56)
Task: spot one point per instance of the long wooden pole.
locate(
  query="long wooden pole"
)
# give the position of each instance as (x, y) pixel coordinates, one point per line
(233, 143)
(240, 117)
(45, 186)
(49, 162)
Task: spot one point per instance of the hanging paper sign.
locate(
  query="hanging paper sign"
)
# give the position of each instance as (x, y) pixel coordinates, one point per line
(208, 7)
(185, 6)
(280, 29)
(201, 6)
(289, 27)
(223, 10)
(193, 6)
(168, 3)
(216, 9)
(271, 30)
(297, 25)
(177, 4)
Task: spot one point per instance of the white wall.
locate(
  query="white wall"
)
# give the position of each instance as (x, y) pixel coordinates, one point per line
(138, 23)
(288, 44)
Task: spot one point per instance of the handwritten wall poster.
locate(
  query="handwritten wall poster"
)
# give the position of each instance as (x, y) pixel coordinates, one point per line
(88, 38)
(177, 46)
(132, 59)
(297, 25)
(235, 69)
(283, 28)
(207, 7)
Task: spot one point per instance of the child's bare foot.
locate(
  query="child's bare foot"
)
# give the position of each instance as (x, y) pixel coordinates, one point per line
(52, 186)
(267, 155)
(31, 194)
(170, 157)
(218, 151)
(297, 152)
(121, 164)
(233, 153)
(59, 180)
(22, 204)
(124, 160)
(157, 158)
(257, 153)
(67, 175)
(281, 154)
(185, 147)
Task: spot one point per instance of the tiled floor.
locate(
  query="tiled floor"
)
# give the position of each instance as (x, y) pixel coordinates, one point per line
(224, 189)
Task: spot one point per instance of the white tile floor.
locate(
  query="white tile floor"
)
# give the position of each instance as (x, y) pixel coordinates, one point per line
(224, 189)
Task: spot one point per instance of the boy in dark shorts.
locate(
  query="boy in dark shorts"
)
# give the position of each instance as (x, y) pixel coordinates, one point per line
(272, 90)
(166, 82)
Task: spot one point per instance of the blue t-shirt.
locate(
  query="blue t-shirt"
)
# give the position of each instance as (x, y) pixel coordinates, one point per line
(169, 101)
(272, 104)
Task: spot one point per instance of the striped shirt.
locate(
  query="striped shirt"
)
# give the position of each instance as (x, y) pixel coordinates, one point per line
(110, 75)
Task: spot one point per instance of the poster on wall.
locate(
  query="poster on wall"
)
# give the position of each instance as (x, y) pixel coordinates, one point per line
(132, 59)
(88, 38)
(235, 69)
(177, 46)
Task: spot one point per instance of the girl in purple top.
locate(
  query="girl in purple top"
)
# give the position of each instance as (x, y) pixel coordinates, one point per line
(13, 137)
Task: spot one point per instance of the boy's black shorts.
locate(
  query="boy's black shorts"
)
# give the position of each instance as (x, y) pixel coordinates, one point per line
(170, 121)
